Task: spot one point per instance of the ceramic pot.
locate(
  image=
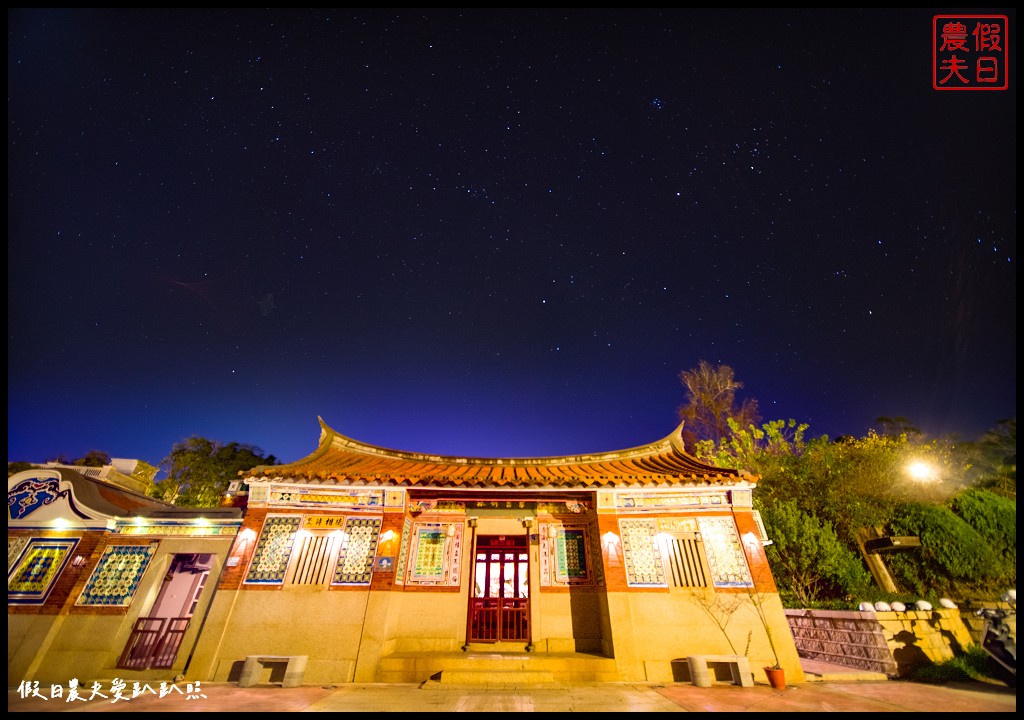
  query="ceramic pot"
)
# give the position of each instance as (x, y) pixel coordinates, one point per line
(776, 677)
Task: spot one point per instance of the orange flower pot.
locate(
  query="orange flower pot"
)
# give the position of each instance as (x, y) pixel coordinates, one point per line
(776, 677)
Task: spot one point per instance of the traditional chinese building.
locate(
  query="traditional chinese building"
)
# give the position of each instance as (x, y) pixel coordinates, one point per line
(378, 565)
(104, 582)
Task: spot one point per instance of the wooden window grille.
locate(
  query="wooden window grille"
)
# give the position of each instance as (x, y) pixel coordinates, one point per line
(314, 558)
(686, 560)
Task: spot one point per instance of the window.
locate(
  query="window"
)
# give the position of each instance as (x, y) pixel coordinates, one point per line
(313, 558)
(685, 560)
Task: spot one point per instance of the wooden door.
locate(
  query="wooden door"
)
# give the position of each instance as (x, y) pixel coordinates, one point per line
(499, 606)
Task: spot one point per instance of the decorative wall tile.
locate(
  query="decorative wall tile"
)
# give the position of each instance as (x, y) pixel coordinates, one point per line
(117, 575)
(39, 566)
(639, 502)
(15, 546)
(273, 550)
(355, 562)
(326, 498)
(642, 553)
(259, 494)
(428, 555)
(435, 554)
(725, 552)
(678, 525)
(566, 554)
(403, 552)
(156, 527)
(571, 555)
(742, 498)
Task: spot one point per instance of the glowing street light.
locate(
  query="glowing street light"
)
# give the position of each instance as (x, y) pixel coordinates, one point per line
(922, 471)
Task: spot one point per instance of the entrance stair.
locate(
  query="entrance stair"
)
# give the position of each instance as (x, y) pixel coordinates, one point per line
(493, 668)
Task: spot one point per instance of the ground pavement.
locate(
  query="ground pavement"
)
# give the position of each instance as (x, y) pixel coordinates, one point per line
(828, 689)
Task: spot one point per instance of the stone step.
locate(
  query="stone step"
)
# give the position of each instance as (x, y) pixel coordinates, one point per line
(491, 678)
(492, 669)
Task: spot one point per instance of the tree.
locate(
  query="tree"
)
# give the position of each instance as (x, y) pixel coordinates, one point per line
(808, 558)
(199, 470)
(720, 609)
(896, 426)
(852, 483)
(764, 451)
(858, 483)
(848, 485)
(822, 494)
(711, 403)
(93, 458)
(994, 459)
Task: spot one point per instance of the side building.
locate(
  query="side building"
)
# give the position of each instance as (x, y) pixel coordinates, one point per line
(104, 582)
(368, 564)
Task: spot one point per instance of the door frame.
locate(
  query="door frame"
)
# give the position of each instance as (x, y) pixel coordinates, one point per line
(500, 610)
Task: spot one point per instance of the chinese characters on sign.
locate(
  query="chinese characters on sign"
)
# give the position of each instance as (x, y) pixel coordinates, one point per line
(969, 52)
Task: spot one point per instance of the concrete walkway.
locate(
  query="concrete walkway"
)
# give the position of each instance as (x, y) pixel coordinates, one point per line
(813, 696)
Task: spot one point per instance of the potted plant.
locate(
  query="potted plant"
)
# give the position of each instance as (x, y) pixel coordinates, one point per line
(775, 673)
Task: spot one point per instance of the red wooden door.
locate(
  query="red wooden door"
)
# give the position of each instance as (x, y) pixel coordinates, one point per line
(499, 606)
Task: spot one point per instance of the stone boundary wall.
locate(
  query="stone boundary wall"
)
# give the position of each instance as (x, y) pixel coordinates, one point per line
(889, 642)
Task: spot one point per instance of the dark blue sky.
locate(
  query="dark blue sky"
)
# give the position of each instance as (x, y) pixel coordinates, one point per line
(496, 232)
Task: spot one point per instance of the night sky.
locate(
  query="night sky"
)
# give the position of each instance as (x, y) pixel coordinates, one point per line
(496, 232)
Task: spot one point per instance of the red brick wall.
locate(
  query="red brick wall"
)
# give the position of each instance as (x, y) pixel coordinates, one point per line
(72, 580)
(232, 577)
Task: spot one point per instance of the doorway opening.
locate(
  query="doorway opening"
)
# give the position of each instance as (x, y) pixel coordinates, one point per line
(499, 606)
(157, 636)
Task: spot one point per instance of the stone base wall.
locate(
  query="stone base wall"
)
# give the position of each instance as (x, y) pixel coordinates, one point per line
(890, 642)
(850, 639)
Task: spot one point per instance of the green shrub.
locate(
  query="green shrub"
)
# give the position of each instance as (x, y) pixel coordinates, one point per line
(809, 562)
(993, 517)
(953, 558)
